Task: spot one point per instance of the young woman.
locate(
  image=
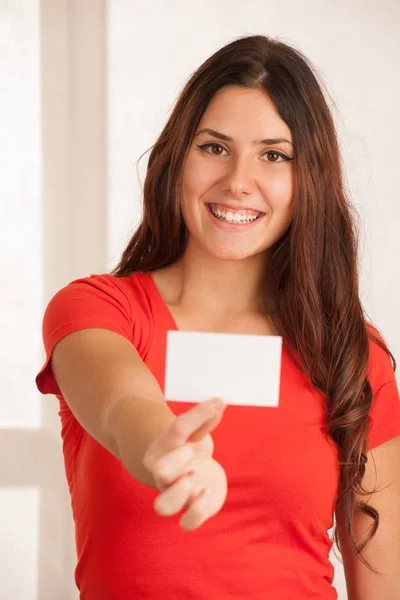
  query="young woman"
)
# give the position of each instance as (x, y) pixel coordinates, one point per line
(246, 229)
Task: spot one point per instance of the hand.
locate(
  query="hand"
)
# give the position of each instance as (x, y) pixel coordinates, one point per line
(180, 460)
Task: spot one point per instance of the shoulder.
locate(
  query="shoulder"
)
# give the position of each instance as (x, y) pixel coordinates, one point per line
(101, 301)
(122, 304)
(380, 367)
(103, 289)
(385, 408)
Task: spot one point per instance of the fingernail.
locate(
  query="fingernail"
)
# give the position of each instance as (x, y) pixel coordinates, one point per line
(218, 404)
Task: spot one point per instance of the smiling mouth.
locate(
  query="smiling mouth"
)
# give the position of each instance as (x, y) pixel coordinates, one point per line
(236, 217)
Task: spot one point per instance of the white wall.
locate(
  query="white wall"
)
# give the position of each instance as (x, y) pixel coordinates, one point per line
(21, 214)
(62, 216)
(20, 272)
(52, 229)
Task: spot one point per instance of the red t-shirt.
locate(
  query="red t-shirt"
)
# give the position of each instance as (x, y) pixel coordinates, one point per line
(270, 538)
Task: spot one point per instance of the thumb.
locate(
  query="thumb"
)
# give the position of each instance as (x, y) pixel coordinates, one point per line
(219, 407)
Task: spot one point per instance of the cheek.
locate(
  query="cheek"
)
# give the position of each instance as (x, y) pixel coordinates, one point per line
(279, 191)
(193, 187)
(281, 187)
(198, 176)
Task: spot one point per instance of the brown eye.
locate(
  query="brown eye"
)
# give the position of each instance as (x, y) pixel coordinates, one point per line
(218, 148)
(275, 154)
(206, 148)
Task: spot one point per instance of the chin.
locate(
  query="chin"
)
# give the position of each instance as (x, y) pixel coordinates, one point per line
(230, 254)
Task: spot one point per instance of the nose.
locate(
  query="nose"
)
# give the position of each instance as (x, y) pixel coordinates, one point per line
(239, 179)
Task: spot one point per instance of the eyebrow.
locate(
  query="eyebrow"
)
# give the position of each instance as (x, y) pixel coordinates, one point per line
(226, 138)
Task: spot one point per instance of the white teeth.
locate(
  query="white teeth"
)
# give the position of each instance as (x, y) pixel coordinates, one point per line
(232, 217)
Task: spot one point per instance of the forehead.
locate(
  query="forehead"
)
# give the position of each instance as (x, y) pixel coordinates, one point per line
(243, 112)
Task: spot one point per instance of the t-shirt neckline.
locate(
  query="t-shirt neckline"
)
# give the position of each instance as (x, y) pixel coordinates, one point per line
(165, 308)
(160, 299)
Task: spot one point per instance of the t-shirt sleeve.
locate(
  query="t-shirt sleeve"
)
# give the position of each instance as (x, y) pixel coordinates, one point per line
(385, 408)
(97, 301)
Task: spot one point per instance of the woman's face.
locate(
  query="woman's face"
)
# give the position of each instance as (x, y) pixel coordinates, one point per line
(236, 188)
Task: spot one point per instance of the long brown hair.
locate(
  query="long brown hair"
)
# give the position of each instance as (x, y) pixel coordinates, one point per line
(313, 269)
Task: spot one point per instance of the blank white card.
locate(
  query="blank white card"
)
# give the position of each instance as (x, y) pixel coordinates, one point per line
(241, 369)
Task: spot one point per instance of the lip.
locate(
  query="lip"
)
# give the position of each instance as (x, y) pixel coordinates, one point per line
(233, 226)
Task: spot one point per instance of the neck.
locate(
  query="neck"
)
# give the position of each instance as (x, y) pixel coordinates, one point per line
(219, 286)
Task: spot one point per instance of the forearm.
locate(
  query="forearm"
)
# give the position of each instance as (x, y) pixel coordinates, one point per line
(132, 424)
